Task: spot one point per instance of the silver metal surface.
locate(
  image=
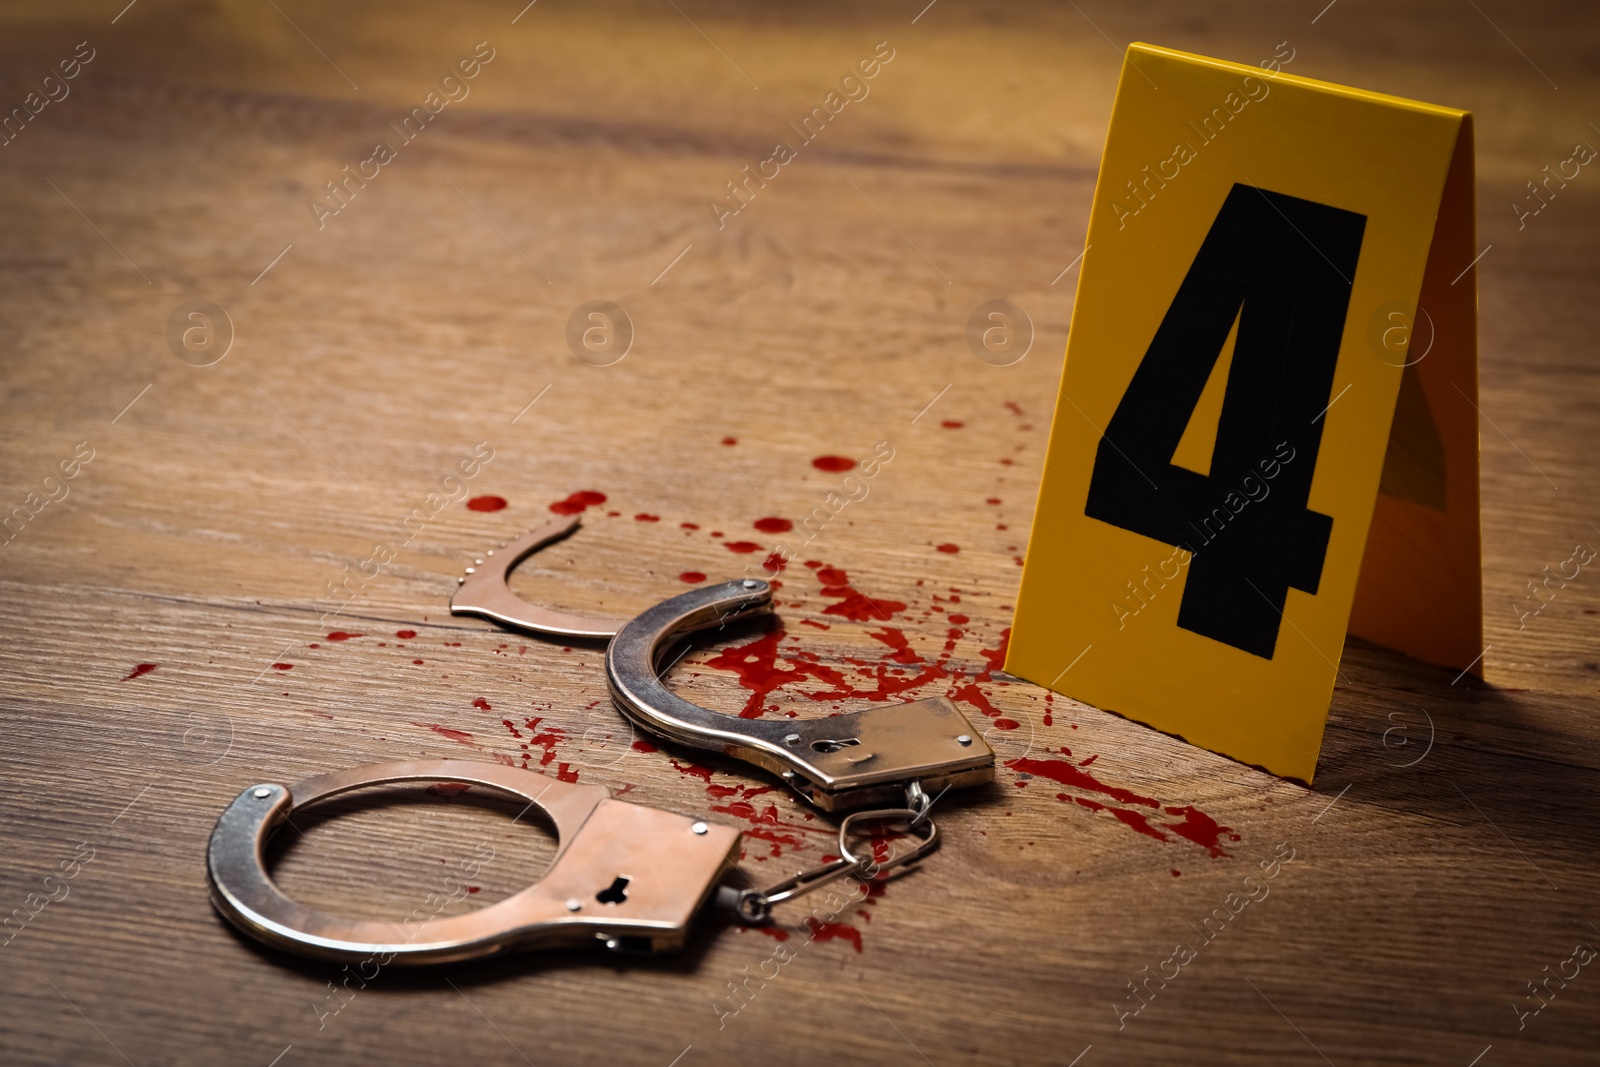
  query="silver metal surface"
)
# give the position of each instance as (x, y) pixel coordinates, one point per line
(845, 761)
(484, 592)
(666, 868)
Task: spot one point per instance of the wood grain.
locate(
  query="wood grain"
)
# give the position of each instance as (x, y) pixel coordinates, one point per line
(371, 357)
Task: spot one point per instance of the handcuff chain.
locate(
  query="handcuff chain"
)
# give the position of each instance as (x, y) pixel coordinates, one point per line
(755, 905)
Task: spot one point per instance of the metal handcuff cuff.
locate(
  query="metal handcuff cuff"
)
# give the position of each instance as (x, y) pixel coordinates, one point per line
(625, 876)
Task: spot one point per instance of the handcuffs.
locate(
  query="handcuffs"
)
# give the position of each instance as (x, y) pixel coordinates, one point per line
(625, 876)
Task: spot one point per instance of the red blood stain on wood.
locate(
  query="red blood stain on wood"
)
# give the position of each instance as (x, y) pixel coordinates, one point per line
(971, 694)
(1015, 409)
(1175, 872)
(774, 525)
(486, 503)
(405, 635)
(448, 789)
(283, 666)
(821, 931)
(833, 464)
(566, 773)
(742, 547)
(644, 516)
(730, 441)
(445, 731)
(899, 642)
(777, 933)
(689, 525)
(996, 657)
(482, 704)
(1196, 826)
(950, 548)
(959, 620)
(853, 604)
(139, 670)
(473, 888)
(547, 739)
(693, 770)
(756, 665)
(1006, 724)
(341, 635)
(774, 563)
(992, 500)
(691, 577)
(580, 501)
(818, 625)
(644, 746)
(418, 662)
(719, 792)
(951, 424)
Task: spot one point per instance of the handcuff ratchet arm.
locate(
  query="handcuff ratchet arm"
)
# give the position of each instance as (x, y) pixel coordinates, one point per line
(849, 760)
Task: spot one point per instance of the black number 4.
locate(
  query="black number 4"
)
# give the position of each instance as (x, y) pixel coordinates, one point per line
(1282, 267)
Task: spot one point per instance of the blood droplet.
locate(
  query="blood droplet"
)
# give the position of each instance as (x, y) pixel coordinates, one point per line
(486, 503)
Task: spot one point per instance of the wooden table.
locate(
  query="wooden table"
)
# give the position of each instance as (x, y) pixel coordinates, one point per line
(166, 631)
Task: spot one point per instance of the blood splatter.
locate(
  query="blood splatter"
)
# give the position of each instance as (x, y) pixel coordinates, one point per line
(833, 464)
(646, 517)
(482, 704)
(283, 666)
(950, 548)
(756, 664)
(139, 670)
(774, 525)
(821, 931)
(580, 501)
(445, 731)
(1196, 825)
(644, 746)
(693, 770)
(405, 635)
(341, 635)
(486, 503)
(742, 547)
(730, 441)
(691, 577)
(853, 605)
(774, 563)
(951, 424)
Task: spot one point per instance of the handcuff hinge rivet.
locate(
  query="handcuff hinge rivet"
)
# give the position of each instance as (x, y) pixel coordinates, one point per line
(574, 904)
(699, 828)
(790, 739)
(964, 739)
(262, 793)
(751, 583)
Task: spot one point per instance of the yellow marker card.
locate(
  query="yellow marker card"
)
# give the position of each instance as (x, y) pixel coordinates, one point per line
(1271, 373)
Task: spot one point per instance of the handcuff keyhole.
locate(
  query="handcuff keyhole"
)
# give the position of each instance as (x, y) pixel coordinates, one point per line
(616, 892)
(834, 746)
